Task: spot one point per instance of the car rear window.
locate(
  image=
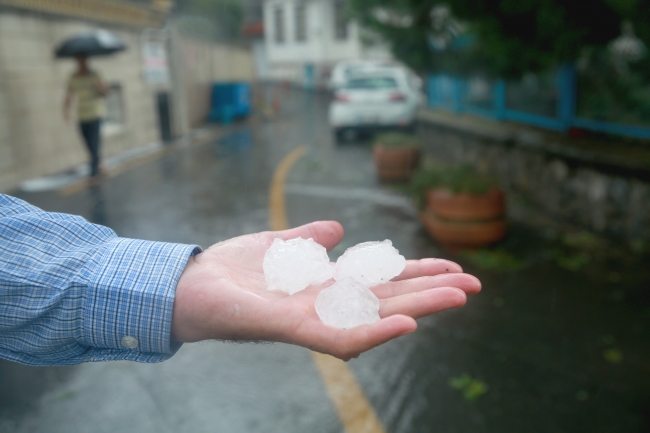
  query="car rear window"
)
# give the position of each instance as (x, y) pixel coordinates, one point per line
(372, 83)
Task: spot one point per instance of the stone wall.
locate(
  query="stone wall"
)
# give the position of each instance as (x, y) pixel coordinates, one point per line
(34, 139)
(610, 197)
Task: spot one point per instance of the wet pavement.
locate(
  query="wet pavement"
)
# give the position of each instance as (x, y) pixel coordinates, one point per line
(556, 342)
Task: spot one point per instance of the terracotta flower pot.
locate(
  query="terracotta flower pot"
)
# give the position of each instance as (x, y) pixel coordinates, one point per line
(395, 163)
(455, 233)
(466, 207)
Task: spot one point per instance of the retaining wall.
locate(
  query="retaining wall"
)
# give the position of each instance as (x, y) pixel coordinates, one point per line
(602, 193)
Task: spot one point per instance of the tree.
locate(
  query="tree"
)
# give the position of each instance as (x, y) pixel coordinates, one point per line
(512, 36)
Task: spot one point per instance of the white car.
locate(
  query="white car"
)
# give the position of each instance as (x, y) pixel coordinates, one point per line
(375, 99)
(346, 68)
(343, 70)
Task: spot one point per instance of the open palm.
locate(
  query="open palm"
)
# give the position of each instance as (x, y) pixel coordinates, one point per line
(222, 295)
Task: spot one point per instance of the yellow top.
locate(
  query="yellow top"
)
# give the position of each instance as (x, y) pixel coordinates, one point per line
(90, 102)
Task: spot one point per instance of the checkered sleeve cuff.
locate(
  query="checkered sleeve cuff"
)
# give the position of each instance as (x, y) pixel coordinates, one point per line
(131, 286)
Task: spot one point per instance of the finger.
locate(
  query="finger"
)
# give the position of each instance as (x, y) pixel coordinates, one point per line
(424, 267)
(419, 304)
(351, 342)
(326, 233)
(466, 282)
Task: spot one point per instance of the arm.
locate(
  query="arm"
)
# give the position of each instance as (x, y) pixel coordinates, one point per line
(71, 291)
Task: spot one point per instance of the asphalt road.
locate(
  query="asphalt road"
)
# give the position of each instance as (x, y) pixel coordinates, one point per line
(529, 354)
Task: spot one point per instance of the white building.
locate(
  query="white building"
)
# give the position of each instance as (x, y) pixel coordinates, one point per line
(304, 39)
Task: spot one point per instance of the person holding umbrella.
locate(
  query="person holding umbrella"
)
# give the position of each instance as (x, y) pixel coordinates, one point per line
(88, 88)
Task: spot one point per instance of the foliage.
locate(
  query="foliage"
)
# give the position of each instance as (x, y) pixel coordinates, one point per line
(613, 356)
(576, 250)
(496, 260)
(513, 36)
(397, 139)
(582, 240)
(571, 261)
(457, 179)
(472, 388)
(210, 19)
(607, 93)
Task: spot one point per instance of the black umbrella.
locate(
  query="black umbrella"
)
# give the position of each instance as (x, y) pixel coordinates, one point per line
(97, 43)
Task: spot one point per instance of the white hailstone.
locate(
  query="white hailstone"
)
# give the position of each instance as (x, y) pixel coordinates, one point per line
(370, 263)
(293, 265)
(347, 304)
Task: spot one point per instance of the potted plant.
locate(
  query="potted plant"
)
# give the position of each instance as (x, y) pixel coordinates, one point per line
(396, 156)
(459, 207)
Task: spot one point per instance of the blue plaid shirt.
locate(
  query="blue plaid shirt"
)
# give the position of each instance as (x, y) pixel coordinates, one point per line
(72, 291)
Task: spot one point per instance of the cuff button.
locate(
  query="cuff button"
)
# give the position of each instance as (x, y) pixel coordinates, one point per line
(130, 342)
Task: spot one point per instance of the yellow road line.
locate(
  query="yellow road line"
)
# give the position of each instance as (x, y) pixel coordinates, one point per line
(277, 208)
(354, 409)
(352, 406)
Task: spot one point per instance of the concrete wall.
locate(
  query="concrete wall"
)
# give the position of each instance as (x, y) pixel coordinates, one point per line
(34, 139)
(564, 182)
(204, 63)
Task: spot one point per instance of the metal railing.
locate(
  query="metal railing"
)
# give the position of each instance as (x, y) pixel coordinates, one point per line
(454, 94)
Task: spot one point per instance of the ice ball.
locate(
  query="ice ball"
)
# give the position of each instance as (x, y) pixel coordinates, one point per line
(293, 265)
(370, 263)
(347, 304)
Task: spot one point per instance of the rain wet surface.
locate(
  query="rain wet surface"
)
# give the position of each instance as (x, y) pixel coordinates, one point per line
(556, 342)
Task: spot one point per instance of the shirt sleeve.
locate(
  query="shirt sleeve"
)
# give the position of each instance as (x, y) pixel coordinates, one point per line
(72, 291)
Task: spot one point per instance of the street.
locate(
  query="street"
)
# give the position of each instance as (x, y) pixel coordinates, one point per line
(526, 354)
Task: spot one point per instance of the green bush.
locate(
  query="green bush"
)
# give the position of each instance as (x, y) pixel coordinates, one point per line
(457, 179)
(397, 139)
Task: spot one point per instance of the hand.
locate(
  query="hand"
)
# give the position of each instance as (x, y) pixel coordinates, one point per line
(222, 295)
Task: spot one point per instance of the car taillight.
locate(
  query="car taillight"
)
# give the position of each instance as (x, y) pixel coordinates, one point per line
(342, 97)
(397, 97)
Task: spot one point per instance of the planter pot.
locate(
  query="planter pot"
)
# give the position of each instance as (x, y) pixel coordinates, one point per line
(455, 233)
(395, 163)
(466, 207)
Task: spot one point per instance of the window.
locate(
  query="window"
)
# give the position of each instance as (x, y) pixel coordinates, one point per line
(114, 104)
(340, 22)
(301, 21)
(371, 83)
(278, 18)
(114, 120)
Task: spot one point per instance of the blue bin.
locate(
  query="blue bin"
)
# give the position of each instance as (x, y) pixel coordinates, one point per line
(230, 101)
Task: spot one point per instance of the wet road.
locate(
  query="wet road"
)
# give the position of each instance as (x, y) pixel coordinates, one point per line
(541, 349)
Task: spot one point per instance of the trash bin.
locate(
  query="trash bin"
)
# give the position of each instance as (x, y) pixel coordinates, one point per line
(164, 116)
(230, 101)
